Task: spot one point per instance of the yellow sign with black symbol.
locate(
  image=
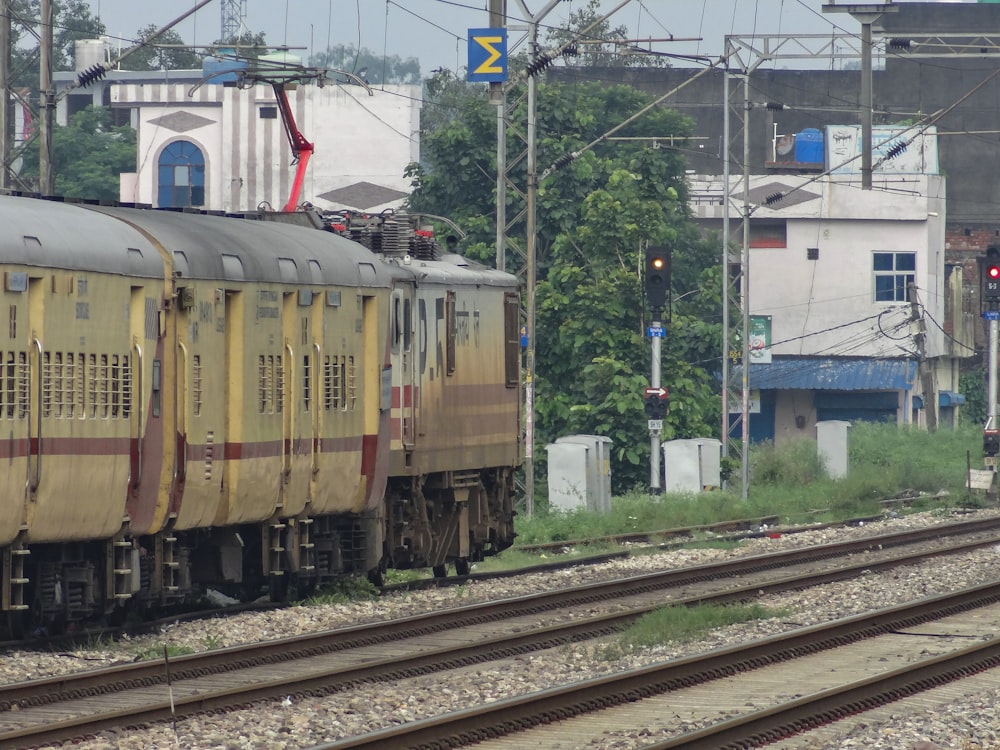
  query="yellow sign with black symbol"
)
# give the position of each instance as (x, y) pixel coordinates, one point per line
(487, 55)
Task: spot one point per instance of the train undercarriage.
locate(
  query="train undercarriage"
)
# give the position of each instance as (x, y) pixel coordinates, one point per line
(451, 518)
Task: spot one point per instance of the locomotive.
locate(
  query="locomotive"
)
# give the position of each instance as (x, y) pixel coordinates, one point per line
(254, 402)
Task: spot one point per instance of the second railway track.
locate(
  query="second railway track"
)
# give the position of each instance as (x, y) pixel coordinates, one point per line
(77, 705)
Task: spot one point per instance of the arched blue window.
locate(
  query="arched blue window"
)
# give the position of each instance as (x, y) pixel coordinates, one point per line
(181, 181)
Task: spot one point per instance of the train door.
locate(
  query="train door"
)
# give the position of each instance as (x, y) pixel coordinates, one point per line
(298, 406)
(149, 408)
(14, 406)
(407, 384)
(32, 381)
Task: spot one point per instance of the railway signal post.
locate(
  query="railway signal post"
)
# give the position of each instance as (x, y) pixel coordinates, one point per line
(990, 277)
(657, 278)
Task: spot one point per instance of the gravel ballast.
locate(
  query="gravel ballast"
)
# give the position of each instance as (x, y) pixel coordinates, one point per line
(971, 725)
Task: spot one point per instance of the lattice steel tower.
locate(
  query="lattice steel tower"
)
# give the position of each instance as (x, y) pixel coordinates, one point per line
(233, 13)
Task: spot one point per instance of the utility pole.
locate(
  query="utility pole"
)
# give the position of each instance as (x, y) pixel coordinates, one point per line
(47, 106)
(866, 15)
(5, 129)
(498, 19)
(530, 241)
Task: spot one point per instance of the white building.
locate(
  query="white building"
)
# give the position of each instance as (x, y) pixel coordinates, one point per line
(849, 297)
(220, 148)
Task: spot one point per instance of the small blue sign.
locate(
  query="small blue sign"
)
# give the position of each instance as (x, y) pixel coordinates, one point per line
(991, 315)
(524, 337)
(656, 332)
(487, 55)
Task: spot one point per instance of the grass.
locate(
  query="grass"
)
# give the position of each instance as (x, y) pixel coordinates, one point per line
(791, 483)
(161, 651)
(682, 624)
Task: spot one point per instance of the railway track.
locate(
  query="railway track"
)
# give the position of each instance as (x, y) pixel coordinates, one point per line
(744, 696)
(78, 705)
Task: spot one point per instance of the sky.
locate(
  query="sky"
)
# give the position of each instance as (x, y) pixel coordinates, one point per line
(435, 31)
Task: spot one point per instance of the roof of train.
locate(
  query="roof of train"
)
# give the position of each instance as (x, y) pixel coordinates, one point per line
(203, 246)
(451, 269)
(58, 235)
(87, 237)
(76, 236)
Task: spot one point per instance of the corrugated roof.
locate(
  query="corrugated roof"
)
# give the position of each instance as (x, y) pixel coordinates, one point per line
(833, 374)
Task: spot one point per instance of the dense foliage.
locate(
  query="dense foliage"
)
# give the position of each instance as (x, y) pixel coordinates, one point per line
(595, 217)
(88, 155)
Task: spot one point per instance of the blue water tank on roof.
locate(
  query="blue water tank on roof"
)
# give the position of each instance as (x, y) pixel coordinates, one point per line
(809, 146)
(221, 69)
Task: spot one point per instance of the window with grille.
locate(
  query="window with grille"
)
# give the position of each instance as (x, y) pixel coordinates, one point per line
(103, 388)
(92, 386)
(306, 381)
(14, 385)
(47, 385)
(279, 385)
(6, 397)
(351, 393)
(116, 387)
(126, 384)
(327, 383)
(894, 272)
(22, 385)
(69, 385)
(196, 385)
(262, 384)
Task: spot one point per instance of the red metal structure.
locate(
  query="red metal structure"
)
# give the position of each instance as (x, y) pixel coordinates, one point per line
(302, 149)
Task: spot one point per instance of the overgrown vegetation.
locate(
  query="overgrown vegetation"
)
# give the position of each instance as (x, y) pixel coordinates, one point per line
(681, 624)
(791, 483)
(345, 590)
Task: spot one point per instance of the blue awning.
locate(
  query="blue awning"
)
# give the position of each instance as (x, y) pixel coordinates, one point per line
(950, 398)
(832, 373)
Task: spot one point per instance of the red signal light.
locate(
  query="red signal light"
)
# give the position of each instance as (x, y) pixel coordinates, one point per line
(993, 271)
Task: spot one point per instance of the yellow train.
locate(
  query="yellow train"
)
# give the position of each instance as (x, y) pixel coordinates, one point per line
(193, 401)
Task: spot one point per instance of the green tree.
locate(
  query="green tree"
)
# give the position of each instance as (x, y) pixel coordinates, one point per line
(602, 45)
(88, 155)
(596, 215)
(377, 69)
(71, 21)
(165, 52)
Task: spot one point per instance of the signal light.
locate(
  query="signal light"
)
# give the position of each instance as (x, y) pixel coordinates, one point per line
(655, 407)
(658, 276)
(991, 442)
(991, 274)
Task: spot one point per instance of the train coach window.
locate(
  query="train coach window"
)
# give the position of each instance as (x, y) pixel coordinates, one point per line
(47, 385)
(196, 385)
(396, 322)
(126, 385)
(451, 321)
(306, 381)
(92, 386)
(352, 385)
(512, 339)
(116, 386)
(407, 324)
(262, 383)
(103, 388)
(279, 385)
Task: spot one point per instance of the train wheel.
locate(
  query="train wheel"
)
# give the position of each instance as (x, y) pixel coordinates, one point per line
(17, 625)
(278, 588)
(440, 571)
(462, 566)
